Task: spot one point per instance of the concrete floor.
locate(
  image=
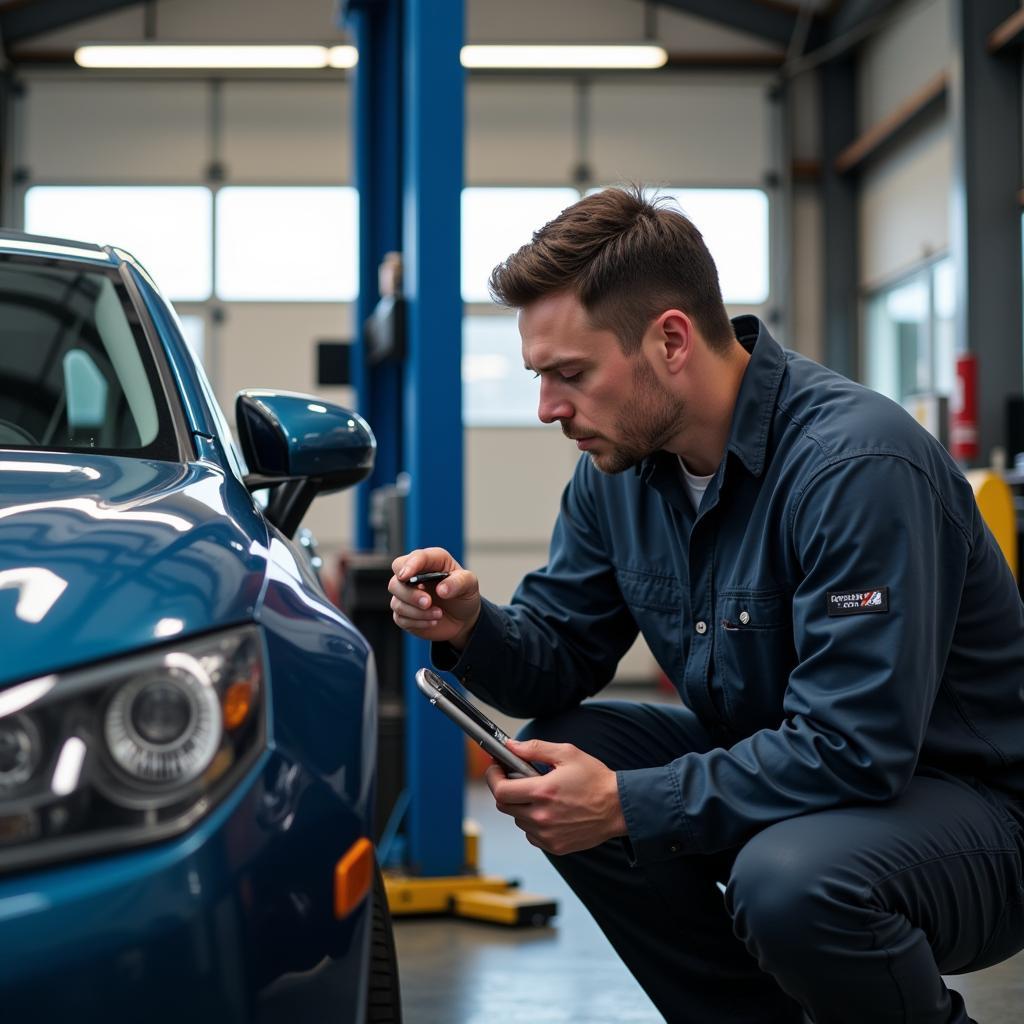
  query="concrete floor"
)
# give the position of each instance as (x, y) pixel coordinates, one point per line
(458, 972)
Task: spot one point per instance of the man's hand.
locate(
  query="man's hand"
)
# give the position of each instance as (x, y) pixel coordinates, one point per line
(445, 612)
(573, 807)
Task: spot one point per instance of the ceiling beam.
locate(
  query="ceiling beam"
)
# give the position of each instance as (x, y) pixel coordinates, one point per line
(22, 21)
(854, 16)
(772, 21)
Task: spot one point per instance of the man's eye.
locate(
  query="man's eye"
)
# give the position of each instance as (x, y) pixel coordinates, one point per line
(564, 376)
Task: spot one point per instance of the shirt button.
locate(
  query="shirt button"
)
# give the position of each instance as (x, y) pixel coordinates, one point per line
(744, 617)
(701, 627)
(673, 848)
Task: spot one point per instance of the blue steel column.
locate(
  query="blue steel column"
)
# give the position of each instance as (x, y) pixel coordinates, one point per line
(841, 230)
(375, 27)
(432, 183)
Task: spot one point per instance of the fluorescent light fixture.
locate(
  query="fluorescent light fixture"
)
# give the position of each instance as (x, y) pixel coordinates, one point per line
(343, 57)
(591, 56)
(168, 55)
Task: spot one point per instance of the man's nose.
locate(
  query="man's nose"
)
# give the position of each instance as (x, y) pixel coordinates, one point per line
(553, 406)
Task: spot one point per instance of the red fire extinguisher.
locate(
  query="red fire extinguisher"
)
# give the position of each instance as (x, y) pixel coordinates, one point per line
(963, 432)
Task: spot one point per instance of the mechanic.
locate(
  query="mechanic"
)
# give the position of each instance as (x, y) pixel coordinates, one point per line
(810, 569)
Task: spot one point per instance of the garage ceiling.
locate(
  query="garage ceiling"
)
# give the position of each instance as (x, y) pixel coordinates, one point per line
(23, 19)
(795, 26)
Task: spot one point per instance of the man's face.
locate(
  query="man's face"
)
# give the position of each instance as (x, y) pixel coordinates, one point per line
(611, 404)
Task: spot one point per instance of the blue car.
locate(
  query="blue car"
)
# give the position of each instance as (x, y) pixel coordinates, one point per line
(187, 724)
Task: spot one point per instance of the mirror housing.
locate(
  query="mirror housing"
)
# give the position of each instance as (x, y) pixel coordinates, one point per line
(300, 446)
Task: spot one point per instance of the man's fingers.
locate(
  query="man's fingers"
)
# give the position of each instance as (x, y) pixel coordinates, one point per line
(410, 613)
(408, 564)
(412, 624)
(513, 792)
(532, 838)
(541, 750)
(423, 560)
(460, 583)
(508, 792)
(494, 774)
(501, 786)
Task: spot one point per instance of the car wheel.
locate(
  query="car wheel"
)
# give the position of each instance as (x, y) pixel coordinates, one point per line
(383, 997)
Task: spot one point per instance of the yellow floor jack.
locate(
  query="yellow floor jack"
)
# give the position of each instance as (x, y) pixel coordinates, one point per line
(470, 895)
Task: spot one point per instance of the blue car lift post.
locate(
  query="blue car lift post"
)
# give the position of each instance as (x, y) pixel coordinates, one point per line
(409, 98)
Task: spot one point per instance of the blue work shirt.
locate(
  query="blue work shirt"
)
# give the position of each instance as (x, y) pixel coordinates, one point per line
(836, 613)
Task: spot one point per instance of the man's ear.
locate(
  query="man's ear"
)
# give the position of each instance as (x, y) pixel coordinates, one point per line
(674, 336)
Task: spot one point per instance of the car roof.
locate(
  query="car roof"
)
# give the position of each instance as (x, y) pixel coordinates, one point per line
(59, 248)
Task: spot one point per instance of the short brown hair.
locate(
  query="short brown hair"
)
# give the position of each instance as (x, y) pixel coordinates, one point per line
(627, 258)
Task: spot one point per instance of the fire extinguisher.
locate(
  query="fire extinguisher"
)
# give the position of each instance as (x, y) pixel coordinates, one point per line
(963, 433)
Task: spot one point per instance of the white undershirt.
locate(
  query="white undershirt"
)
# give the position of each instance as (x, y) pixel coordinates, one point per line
(696, 485)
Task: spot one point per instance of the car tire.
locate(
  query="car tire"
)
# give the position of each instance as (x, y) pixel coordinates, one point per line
(383, 994)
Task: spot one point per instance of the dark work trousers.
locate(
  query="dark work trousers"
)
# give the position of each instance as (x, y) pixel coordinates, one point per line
(850, 915)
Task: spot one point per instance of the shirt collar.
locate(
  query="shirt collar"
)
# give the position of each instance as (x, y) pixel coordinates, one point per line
(755, 403)
(759, 389)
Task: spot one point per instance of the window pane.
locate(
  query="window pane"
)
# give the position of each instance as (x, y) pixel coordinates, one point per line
(898, 355)
(496, 222)
(193, 327)
(287, 244)
(74, 371)
(944, 284)
(168, 229)
(496, 390)
(734, 225)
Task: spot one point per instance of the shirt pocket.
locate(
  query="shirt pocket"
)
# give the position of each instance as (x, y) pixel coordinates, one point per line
(656, 603)
(754, 655)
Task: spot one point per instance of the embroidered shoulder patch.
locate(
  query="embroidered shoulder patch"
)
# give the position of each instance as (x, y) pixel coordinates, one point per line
(858, 602)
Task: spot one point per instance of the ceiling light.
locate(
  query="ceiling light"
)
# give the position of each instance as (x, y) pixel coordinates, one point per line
(596, 56)
(166, 55)
(343, 56)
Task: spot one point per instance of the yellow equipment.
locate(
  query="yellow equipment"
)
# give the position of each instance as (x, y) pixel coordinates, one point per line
(995, 500)
(472, 895)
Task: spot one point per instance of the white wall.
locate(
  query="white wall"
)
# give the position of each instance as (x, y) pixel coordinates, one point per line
(904, 211)
(81, 128)
(896, 62)
(186, 21)
(612, 21)
(905, 195)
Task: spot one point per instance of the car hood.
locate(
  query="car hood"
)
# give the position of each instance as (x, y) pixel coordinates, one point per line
(102, 555)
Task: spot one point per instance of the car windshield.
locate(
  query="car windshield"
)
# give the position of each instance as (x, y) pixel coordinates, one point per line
(75, 370)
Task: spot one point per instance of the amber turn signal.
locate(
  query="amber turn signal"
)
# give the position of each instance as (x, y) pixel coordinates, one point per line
(236, 704)
(353, 875)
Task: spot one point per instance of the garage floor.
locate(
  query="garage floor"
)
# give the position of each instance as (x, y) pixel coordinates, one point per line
(458, 972)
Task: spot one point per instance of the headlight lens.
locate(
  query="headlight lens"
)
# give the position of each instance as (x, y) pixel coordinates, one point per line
(164, 729)
(128, 752)
(20, 751)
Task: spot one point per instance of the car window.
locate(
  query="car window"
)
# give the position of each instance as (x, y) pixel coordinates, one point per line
(75, 371)
(227, 439)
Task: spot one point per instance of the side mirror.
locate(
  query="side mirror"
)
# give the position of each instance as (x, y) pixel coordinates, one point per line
(301, 446)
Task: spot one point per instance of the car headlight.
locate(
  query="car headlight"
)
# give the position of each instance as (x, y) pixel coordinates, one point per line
(163, 729)
(19, 751)
(130, 751)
